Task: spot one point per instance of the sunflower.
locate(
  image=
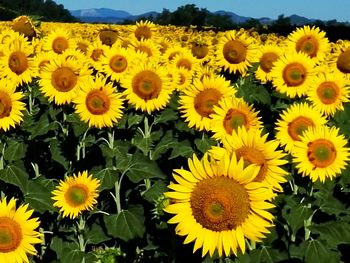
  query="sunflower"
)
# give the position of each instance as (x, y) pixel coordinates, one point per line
(148, 86)
(198, 100)
(230, 114)
(11, 107)
(24, 25)
(76, 194)
(328, 92)
(17, 232)
(62, 78)
(236, 52)
(98, 103)
(108, 36)
(311, 41)
(292, 74)
(254, 148)
(187, 61)
(218, 205)
(95, 52)
(340, 61)
(183, 78)
(58, 40)
(42, 59)
(321, 153)
(294, 121)
(268, 54)
(16, 63)
(147, 46)
(144, 30)
(172, 52)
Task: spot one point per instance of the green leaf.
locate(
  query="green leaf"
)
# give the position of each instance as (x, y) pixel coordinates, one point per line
(166, 116)
(108, 177)
(316, 252)
(155, 191)
(165, 144)
(126, 225)
(134, 119)
(267, 255)
(16, 176)
(334, 233)
(96, 235)
(296, 215)
(56, 153)
(183, 149)
(72, 255)
(205, 143)
(38, 195)
(79, 127)
(15, 151)
(327, 202)
(143, 143)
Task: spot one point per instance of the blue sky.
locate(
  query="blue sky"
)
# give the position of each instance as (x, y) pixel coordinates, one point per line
(318, 9)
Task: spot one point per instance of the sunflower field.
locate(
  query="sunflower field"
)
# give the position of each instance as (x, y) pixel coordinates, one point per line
(149, 143)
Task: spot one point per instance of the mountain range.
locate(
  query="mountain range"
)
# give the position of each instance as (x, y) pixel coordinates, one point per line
(106, 15)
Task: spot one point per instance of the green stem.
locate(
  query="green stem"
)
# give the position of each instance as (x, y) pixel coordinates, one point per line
(81, 239)
(117, 193)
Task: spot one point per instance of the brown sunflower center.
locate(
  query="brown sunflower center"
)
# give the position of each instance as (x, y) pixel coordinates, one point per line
(253, 156)
(182, 78)
(96, 54)
(343, 62)
(172, 55)
(64, 79)
(60, 44)
(321, 153)
(234, 52)
(307, 44)
(5, 105)
(108, 37)
(297, 126)
(267, 60)
(205, 101)
(118, 63)
(10, 235)
(199, 51)
(219, 203)
(143, 32)
(328, 92)
(76, 195)
(82, 47)
(97, 102)
(294, 74)
(24, 26)
(234, 119)
(18, 62)
(147, 85)
(185, 63)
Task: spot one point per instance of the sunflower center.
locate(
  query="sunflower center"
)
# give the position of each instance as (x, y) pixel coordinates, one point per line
(321, 153)
(205, 101)
(24, 26)
(10, 235)
(143, 32)
(234, 119)
(60, 44)
(76, 195)
(294, 74)
(182, 78)
(96, 54)
(267, 60)
(108, 37)
(343, 62)
(18, 62)
(97, 102)
(253, 156)
(118, 63)
(5, 105)
(219, 203)
(64, 79)
(185, 63)
(328, 92)
(298, 126)
(147, 85)
(234, 52)
(199, 51)
(308, 45)
(172, 55)
(82, 46)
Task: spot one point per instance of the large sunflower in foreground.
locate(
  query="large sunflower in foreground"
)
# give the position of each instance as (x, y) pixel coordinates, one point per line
(11, 106)
(17, 232)
(76, 194)
(217, 205)
(230, 114)
(292, 74)
(98, 103)
(329, 92)
(321, 153)
(294, 121)
(236, 52)
(199, 99)
(254, 148)
(147, 86)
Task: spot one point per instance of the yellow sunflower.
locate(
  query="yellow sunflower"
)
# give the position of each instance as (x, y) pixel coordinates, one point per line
(217, 205)
(76, 194)
(42, 59)
(147, 46)
(17, 232)
(11, 107)
(147, 86)
(230, 114)
(62, 78)
(321, 153)
(182, 79)
(98, 103)
(144, 30)
(254, 148)
(294, 121)
(25, 26)
(236, 52)
(187, 61)
(311, 41)
(267, 54)
(58, 40)
(329, 92)
(198, 100)
(95, 52)
(340, 61)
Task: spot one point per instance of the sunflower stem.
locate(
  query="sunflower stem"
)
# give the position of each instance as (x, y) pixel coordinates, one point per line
(81, 239)
(117, 193)
(110, 139)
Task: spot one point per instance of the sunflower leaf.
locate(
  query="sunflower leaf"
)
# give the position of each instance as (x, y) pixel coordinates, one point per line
(108, 177)
(15, 150)
(16, 176)
(38, 195)
(334, 232)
